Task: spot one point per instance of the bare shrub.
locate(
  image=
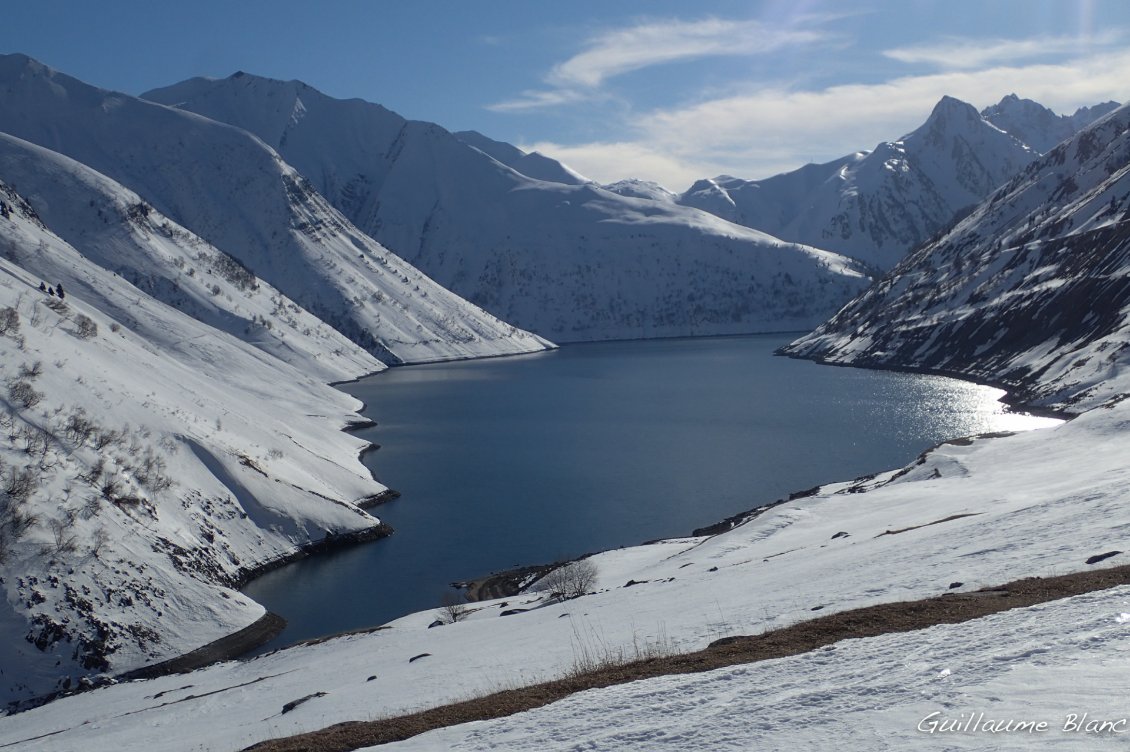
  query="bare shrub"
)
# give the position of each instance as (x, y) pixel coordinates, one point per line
(454, 609)
(19, 483)
(79, 428)
(569, 581)
(91, 507)
(94, 474)
(55, 305)
(63, 539)
(35, 441)
(31, 372)
(150, 471)
(19, 522)
(99, 541)
(9, 320)
(85, 327)
(23, 393)
(104, 437)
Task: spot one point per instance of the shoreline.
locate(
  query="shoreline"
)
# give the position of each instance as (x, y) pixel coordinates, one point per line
(260, 632)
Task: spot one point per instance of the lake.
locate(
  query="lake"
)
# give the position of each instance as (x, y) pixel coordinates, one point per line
(530, 459)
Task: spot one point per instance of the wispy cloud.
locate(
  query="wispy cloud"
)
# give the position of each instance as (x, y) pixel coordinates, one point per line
(616, 52)
(767, 130)
(957, 53)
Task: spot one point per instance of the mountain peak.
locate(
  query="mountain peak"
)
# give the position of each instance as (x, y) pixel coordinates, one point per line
(950, 109)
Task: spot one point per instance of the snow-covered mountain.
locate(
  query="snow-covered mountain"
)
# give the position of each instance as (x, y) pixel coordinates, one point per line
(1037, 125)
(149, 461)
(877, 205)
(123, 234)
(568, 261)
(1031, 290)
(226, 186)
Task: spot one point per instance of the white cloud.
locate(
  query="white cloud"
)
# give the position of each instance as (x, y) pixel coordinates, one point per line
(613, 53)
(955, 53)
(768, 130)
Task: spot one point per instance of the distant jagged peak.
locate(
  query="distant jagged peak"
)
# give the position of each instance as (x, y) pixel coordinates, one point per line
(1037, 125)
(1084, 116)
(951, 116)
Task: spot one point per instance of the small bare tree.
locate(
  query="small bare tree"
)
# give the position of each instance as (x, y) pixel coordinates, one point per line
(569, 581)
(64, 540)
(454, 609)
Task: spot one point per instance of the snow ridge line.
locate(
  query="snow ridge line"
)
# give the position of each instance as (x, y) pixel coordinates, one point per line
(803, 637)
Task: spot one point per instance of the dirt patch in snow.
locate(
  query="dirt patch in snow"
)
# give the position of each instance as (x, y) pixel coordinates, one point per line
(904, 616)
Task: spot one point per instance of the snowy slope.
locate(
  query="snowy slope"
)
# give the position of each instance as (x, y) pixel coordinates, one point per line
(1031, 290)
(139, 481)
(877, 205)
(532, 164)
(229, 188)
(899, 691)
(115, 229)
(1036, 125)
(570, 262)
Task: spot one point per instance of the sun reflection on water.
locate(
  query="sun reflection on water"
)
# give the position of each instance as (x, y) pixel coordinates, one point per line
(963, 408)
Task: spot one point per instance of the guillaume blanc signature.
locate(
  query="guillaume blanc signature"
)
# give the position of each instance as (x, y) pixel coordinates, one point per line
(979, 723)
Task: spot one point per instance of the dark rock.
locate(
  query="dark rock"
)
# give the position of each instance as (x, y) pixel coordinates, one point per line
(954, 585)
(1101, 557)
(513, 611)
(436, 623)
(415, 658)
(841, 534)
(295, 703)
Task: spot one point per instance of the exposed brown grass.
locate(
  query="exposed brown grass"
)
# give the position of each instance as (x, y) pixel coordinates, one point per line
(905, 616)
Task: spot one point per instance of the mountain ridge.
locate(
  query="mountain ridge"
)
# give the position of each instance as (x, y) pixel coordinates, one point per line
(572, 262)
(1034, 282)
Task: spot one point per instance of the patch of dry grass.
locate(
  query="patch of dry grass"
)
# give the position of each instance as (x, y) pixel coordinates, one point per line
(905, 616)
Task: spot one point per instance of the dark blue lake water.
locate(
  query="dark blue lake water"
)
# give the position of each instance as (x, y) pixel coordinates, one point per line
(530, 459)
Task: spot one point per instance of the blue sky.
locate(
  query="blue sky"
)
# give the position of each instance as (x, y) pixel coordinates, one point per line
(661, 90)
